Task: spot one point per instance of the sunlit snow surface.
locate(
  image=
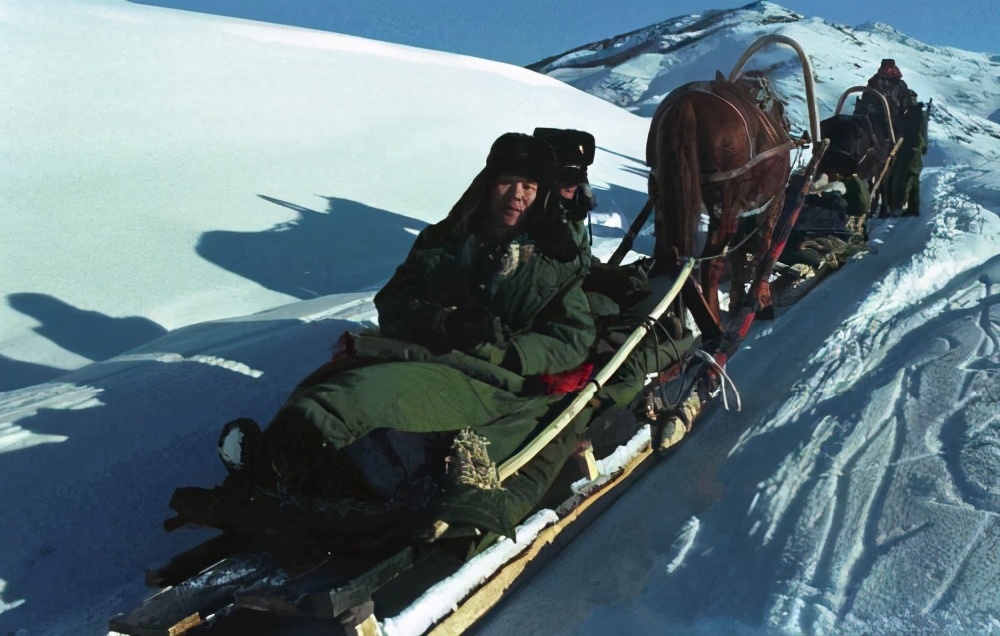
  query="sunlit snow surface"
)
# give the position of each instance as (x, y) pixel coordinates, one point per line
(196, 207)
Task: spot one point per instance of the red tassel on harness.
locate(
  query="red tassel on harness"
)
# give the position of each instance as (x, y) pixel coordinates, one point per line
(567, 381)
(345, 347)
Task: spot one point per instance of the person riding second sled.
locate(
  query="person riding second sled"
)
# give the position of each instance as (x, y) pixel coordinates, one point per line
(620, 296)
(888, 81)
(574, 153)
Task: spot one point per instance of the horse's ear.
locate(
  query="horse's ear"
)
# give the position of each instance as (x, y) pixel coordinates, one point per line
(719, 77)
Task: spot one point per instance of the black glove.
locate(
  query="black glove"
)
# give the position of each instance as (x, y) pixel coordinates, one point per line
(465, 327)
(584, 200)
(580, 204)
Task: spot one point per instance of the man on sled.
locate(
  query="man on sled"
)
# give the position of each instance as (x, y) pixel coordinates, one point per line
(484, 330)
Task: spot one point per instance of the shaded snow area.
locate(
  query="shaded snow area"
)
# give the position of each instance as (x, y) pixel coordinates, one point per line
(196, 207)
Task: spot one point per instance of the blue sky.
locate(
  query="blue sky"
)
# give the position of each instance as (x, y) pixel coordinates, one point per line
(525, 31)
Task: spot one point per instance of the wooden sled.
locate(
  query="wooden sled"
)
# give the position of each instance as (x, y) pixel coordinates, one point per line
(219, 588)
(207, 590)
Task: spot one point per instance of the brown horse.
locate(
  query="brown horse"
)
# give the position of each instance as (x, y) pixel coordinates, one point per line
(718, 150)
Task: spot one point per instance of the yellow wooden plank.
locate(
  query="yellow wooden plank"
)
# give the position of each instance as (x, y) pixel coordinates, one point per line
(586, 461)
(369, 627)
(182, 626)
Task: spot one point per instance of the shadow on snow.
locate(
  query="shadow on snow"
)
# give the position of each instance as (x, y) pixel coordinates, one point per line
(90, 334)
(349, 247)
(17, 374)
(82, 517)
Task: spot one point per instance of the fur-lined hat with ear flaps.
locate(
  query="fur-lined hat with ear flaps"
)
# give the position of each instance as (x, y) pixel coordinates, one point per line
(889, 69)
(511, 154)
(574, 152)
(522, 155)
(573, 147)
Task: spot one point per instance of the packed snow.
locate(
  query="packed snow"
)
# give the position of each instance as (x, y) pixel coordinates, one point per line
(197, 206)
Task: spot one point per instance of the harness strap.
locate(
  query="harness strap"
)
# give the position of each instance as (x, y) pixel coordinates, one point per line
(746, 126)
(735, 172)
(724, 379)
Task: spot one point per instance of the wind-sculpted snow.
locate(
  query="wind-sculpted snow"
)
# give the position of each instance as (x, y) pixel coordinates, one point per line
(19, 405)
(874, 513)
(877, 489)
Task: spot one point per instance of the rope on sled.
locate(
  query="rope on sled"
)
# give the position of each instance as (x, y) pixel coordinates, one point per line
(550, 432)
(724, 379)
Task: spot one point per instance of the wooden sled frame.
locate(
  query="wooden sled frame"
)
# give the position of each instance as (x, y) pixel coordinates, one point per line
(807, 74)
(229, 583)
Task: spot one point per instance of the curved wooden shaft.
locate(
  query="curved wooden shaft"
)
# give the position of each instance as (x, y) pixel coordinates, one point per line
(881, 97)
(807, 74)
(552, 431)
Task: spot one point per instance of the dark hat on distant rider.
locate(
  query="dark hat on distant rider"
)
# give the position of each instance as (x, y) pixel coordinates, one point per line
(888, 68)
(523, 155)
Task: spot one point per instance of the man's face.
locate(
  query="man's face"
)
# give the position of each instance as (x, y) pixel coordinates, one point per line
(511, 197)
(567, 191)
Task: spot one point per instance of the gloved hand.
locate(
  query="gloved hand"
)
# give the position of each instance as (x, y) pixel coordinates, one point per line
(584, 200)
(465, 327)
(578, 206)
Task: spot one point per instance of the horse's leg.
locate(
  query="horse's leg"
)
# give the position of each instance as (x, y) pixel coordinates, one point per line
(741, 270)
(713, 269)
(765, 253)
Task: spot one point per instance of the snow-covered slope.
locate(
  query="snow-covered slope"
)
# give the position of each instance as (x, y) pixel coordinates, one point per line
(637, 70)
(163, 169)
